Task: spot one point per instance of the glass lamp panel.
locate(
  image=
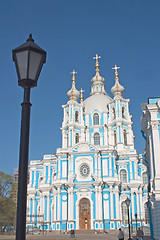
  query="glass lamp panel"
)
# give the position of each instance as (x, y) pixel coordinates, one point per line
(127, 201)
(22, 61)
(34, 61)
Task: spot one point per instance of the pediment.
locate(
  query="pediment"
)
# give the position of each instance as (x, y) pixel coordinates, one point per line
(83, 147)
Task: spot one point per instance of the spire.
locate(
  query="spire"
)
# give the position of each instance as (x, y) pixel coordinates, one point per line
(81, 95)
(73, 93)
(117, 90)
(97, 86)
(97, 63)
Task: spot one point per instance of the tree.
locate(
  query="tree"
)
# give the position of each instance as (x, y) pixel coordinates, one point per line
(7, 204)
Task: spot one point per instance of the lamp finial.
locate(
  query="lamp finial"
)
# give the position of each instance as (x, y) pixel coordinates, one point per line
(30, 38)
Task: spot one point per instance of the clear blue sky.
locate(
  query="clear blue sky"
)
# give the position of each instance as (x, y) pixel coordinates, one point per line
(123, 32)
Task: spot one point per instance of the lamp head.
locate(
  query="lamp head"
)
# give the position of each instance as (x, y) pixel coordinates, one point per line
(29, 59)
(127, 202)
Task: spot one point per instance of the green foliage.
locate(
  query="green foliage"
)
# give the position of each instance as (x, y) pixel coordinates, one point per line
(7, 204)
(6, 181)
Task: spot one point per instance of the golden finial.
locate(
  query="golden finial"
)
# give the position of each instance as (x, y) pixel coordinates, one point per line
(116, 72)
(96, 57)
(73, 72)
(97, 63)
(81, 94)
(73, 77)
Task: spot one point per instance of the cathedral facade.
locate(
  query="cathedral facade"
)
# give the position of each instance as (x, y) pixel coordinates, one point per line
(85, 184)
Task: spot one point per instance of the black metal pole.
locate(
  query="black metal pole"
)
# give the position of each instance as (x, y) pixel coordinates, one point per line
(23, 167)
(129, 224)
(136, 221)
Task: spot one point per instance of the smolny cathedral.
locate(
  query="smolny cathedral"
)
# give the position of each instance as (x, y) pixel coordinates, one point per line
(85, 184)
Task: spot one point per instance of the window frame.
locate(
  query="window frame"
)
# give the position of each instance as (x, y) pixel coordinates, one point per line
(113, 113)
(76, 137)
(76, 116)
(125, 137)
(121, 176)
(145, 178)
(96, 139)
(95, 119)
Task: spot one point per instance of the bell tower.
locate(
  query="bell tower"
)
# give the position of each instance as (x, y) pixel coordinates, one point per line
(73, 124)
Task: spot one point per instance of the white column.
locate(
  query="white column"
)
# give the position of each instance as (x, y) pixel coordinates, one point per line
(59, 204)
(110, 140)
(110, 166)
(141, 203)
(55, 207)
(44, 206)
(111, 202)
(49, 174)
(105, 136)
(34, 205)
(131, 170)
(72, 204)
(156, 147)
(151, 157)
(117, 204)
(100, 202)
(138, 210)
(48, 209)
(99, 166)
(34, 183)
(97, 205)
(132, 201)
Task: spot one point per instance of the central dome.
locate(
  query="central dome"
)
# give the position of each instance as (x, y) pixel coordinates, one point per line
(97, 102)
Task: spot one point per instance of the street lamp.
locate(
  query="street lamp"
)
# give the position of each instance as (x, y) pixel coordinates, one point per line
(128, 204)
(29, 59)
(136, 221)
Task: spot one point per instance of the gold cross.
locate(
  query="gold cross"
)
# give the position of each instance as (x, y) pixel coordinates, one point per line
(81, 91)
(96, 57)
(116, 68)
(73, 72)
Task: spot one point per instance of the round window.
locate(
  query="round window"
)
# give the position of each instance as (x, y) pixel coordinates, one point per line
(84, 170)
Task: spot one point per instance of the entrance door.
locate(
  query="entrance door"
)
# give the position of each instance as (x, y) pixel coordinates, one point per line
(84, 214)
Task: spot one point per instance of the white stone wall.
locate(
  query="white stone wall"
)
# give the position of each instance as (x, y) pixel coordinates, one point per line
(151, 128)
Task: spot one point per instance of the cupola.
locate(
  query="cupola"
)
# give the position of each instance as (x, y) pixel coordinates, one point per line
(117, 90)
(97, 81)
(73, 93)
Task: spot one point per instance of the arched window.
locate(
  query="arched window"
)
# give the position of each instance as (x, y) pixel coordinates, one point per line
(145, 178)
(125, 137)
(123, 176)
(123, 112)
(113, 113)
(124, 213)
(96, 139)
(76, 116)
(52, 212)
(39, 209)
(77, 138)
(146, 213)
(115, 138)
(95, 119)
(67, 138)
(67, 117)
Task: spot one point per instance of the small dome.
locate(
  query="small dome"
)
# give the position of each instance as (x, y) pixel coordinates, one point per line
(97, 81)
(117, 90)
(73, 93)
(97, 102)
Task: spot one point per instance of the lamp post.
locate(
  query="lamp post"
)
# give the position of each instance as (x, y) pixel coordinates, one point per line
(29, 59)
(128, 204)
(136, 221)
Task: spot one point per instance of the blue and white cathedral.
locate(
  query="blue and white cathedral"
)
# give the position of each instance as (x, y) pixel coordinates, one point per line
(85, 184)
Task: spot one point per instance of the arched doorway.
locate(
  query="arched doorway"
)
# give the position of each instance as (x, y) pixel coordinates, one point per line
(84, 214)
